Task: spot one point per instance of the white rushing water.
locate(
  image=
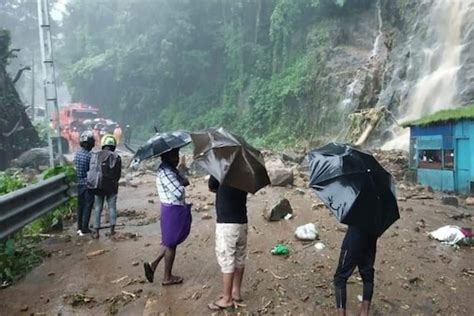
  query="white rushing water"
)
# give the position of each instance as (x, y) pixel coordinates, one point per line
(437, 87)
(378, 39)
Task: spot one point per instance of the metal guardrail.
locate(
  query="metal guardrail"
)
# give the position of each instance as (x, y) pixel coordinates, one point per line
(21, 207)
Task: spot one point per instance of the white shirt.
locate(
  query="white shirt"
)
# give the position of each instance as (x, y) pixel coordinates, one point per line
(170, 189)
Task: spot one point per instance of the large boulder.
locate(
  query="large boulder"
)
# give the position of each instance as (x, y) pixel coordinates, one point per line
(470, 201)
(293, 157)
(279, 174)
(33, 158)
(304, 165)
(450, 200)
(279, 210)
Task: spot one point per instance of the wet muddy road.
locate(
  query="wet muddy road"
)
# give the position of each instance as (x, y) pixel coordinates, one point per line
(414, 275)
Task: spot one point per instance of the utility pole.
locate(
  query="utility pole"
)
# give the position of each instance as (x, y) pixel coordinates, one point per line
(49, 79)
(33, 88)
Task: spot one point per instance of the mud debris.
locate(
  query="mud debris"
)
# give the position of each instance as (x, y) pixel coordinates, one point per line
(96, 253)
(131, 214)
(79, 299)
(118, 301)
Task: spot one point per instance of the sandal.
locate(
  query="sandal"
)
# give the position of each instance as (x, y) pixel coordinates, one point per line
(149, 273)
(216, 307)
(240, 300)
(174, 280)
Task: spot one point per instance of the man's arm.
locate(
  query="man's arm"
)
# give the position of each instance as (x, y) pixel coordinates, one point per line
(119, 168)
(213, 184)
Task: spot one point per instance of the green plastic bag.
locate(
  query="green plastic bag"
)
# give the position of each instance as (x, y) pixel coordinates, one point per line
(280, 249)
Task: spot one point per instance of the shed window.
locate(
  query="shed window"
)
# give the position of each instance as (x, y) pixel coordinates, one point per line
(430, 159)
(448, 159)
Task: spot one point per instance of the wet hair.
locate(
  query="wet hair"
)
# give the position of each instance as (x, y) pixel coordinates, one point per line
(167, 156)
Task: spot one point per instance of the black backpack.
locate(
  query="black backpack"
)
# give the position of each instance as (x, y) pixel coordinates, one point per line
(104, 172)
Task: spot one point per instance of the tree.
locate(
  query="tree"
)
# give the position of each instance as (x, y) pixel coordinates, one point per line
(17, 134)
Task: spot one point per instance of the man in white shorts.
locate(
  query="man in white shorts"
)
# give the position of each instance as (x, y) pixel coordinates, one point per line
(231, 241)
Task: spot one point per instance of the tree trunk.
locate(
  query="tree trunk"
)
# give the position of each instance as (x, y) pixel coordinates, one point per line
(17, 133)
(257, 20)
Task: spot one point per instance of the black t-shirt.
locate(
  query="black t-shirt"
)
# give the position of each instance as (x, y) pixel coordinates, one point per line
(231, 203)
(357, 240)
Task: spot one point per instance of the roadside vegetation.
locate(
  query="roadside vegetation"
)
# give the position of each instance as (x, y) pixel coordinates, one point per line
(21, 252)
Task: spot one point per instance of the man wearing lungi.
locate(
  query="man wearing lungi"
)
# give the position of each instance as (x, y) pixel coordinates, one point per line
(175, 219)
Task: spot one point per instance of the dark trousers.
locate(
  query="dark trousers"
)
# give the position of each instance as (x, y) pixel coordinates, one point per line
(85, 202)
(358, 250)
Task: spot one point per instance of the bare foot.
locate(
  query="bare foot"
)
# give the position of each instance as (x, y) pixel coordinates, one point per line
(237, 297)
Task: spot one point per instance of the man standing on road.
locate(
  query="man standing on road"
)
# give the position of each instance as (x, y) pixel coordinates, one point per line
(117, 133)
(175, 217)
(127, 134)
(106, 169)
(358, 250)
(85, 198)
(231, 241)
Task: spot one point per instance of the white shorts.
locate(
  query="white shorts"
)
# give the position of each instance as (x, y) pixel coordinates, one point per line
(231, 246)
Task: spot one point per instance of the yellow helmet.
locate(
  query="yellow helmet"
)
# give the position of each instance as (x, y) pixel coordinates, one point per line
(108, 140)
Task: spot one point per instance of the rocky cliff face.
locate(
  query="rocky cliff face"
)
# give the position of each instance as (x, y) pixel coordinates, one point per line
(412, 57)
(17, 134)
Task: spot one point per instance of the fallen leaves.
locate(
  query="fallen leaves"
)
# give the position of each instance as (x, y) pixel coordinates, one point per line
(264, 308)
(276, 276)
(119, 279)
(122, 299)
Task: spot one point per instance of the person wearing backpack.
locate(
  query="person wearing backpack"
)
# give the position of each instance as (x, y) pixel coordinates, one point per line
(102, 179)
(85, 197)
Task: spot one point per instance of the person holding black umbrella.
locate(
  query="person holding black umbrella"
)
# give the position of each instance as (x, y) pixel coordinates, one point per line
(231, 240)
(360, 193)
(175, 218)
(357, 250)
(236, 169)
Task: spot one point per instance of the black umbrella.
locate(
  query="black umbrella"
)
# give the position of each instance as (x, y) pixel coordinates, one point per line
(160, 144)
(229, 159)
(354, 186)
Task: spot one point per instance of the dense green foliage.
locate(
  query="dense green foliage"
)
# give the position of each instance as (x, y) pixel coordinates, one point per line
(9, 183)
(453, 115)
(252, 66)
(17, 256)
(68, 170)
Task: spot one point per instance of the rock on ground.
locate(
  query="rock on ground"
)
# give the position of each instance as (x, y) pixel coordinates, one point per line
(279, 174)
(450, 200)
(278, 211)
(470, 201)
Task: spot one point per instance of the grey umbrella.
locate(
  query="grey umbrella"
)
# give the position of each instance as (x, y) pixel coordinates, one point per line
(160, 144)
(230, 159)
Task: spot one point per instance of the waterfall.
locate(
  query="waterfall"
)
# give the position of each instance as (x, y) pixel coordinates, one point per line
(347, 103)
(354, 89)
(378, 39)
(436, 87)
